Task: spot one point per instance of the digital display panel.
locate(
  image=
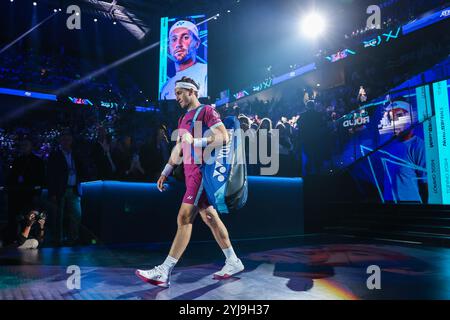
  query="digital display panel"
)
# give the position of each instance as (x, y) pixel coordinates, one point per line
(183, 53)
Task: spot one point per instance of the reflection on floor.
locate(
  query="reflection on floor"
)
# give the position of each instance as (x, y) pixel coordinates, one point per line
(297, 268)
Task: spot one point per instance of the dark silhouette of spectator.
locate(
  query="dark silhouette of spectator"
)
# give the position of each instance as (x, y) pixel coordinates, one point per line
(266, 133)
(286, 147)
(245, 127)
(136, 172)
(123, 156)
(244, 121)
(149, 159)
(163, 145)
(102, 156)
(296, 164)
(3, 211)
(312, 128)
(25, 181)
(64, 189)
(155, 153)
(2, 176)
(266, 124)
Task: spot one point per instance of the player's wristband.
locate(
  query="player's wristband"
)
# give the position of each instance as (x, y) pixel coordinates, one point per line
(200, 142)
(167, 170)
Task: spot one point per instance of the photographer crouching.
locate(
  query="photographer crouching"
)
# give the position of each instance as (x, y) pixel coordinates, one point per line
(31, 233)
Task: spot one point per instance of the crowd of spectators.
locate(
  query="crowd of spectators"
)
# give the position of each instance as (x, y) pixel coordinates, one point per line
(60, 155)
(394, 13)
(31, 70)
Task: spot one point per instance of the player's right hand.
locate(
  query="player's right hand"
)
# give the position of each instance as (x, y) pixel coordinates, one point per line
(187, 138)
(161, 182)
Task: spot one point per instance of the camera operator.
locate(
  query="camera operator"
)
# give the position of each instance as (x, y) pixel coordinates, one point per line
(32, 230)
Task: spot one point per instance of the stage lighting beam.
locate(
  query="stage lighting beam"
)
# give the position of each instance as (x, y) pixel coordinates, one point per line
(26, 33)
(313, 25)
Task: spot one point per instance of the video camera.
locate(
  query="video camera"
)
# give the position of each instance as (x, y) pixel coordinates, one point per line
(41, 216)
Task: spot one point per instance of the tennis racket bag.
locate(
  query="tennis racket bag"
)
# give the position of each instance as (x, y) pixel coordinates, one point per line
(225, 175)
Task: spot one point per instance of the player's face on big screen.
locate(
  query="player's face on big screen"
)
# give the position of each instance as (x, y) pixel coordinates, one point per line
(182, 45)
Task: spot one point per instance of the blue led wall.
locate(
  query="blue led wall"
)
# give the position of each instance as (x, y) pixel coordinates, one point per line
(120, 212)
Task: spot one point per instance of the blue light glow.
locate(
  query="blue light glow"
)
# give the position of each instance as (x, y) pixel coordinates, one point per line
(28, 94)
(426, 21)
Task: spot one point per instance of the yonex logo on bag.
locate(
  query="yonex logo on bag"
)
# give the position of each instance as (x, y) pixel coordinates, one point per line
(220, 169)
(219, 172)
(225, 150)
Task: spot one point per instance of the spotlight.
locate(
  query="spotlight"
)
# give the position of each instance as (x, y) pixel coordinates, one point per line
(313, 25)
(228, 11)
(54, 10)
(95, 20)
(11, 0)
(114, 22)
(59, 9)
(35, 4)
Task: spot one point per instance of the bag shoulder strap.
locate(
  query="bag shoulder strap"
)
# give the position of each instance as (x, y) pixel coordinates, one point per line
(197, 113)
(180, 119)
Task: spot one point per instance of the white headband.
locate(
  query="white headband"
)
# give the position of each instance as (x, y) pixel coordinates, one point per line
(185, 24)
(185, 85)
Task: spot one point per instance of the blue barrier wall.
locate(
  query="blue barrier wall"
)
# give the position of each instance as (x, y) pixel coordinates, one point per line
(123, 212)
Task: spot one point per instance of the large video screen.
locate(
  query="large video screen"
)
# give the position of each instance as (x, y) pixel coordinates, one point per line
(183, 53)
(406, 158)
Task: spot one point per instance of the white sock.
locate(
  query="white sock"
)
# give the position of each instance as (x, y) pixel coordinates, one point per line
(169, 264)
(230, 254)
